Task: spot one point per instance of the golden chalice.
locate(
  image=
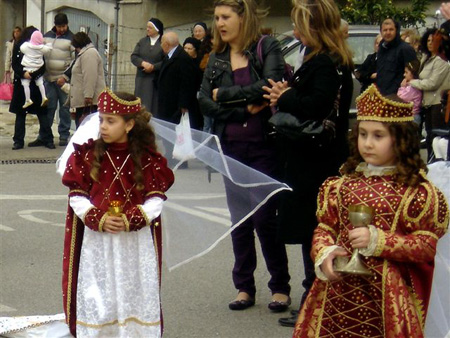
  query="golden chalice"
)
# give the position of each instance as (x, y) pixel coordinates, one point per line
(359, 216)
(115, 208)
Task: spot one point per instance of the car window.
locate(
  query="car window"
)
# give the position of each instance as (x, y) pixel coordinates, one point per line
(361, 45)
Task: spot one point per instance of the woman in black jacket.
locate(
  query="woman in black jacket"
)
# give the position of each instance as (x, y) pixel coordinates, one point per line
(19, 96)
(232, 95)
(311, 96)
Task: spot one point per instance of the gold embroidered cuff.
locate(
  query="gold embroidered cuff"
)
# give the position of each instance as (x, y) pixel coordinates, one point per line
(380, 243)
(102, 221)
(125, 220)
(141, 209)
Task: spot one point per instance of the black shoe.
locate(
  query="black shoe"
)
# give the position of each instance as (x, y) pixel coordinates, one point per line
(36, 143)
(50, 146)
(289, 322)
(17, 146)
(277, 306)
(241, 304)
(63, 142)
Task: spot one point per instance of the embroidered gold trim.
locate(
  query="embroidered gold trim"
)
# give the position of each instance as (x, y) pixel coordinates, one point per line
(328, 228)
(141, 209)
(380, 243)
(425, 208)
(400, 210)
(78, 191)
(116, 322)
(383, 293)
(426, 233)
(322, 206)
(127, 223)
(154, 192)
(102, 221)
(71, 257)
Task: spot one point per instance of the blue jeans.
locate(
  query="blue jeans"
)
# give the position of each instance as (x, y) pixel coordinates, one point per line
(55, 95)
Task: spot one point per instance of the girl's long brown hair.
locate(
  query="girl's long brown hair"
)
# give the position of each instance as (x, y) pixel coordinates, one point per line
(406, 148)
(140, 138)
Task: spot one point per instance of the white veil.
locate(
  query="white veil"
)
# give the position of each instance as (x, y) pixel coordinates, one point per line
(196, 216)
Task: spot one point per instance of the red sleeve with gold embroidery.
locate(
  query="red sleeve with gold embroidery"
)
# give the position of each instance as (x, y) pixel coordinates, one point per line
(422, 219)
(77, 173)
(326, 233)
(77, 178)
(158, 176)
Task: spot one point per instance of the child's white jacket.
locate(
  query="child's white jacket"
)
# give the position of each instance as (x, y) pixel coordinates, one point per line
(33, 56)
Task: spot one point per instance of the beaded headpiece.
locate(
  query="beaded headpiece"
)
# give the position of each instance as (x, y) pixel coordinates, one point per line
(372, 106)
(110, 103)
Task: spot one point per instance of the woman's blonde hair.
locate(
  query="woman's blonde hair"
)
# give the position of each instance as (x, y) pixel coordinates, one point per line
(250, 30)
(319, 22)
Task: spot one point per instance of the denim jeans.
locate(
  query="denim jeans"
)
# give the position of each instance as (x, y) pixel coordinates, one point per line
(55, 95)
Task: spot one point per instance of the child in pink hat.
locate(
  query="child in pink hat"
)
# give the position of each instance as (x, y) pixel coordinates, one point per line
(33, 59)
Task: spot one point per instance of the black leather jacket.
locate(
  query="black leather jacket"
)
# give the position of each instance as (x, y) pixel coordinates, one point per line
(232, 100)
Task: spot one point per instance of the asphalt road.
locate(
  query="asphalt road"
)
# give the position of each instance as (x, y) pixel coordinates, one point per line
(195, 296)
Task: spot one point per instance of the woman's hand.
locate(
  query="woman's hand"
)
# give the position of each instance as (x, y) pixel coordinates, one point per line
(147, 66)
(61, 81)
(256, 108)
(214, 94)
(373, 76)
(404, 83)
(274, 92)
(327, 265)
(27, 75)
(113, 224)
(359, 237)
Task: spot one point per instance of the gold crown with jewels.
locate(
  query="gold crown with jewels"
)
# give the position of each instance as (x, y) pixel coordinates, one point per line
(372, 106)
(110, 103)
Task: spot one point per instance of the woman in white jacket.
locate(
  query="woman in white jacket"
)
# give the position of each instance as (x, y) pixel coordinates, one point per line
(33, 59)
(434, 79)
(87, 79)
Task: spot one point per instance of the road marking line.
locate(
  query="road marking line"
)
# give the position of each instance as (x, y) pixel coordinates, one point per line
(219, 211)
(197, 213)
(33, 197)
(4, 308)
(27, 214)
(5, 228)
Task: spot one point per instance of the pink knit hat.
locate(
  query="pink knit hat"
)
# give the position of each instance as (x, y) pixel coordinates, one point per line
(37, 38)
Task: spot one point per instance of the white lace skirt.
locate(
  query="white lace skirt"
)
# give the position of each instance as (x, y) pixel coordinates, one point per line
(118, 288)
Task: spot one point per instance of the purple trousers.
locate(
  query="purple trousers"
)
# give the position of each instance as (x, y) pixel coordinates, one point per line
(262, 157)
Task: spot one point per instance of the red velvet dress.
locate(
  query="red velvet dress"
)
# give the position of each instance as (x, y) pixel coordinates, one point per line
(115, 183)
(393, 301)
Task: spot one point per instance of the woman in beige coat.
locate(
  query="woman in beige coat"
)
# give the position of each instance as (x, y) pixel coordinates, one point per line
(87, 79)
(434, 79)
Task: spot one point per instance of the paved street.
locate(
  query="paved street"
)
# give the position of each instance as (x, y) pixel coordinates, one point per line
(195, 296)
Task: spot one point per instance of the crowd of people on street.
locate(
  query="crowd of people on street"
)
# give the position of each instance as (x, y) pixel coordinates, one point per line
(231, 81)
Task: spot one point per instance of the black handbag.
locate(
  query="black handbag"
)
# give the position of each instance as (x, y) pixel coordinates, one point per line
(320, 132)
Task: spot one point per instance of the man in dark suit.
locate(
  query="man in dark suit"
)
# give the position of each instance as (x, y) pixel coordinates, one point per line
(176, 86)
(176, 81)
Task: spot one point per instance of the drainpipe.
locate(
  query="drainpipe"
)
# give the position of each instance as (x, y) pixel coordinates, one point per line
(116, 45)
(43, 16)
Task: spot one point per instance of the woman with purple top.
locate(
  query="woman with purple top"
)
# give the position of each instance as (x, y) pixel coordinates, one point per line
(232, 94)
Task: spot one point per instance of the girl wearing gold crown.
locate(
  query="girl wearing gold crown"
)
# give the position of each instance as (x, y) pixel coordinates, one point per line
(383, 186)
(112, 247)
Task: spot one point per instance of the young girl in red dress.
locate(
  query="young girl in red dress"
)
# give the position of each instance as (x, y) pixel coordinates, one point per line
(385, 173)
(112, 248)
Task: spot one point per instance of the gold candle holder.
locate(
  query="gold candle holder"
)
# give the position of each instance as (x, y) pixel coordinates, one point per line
(115, 208)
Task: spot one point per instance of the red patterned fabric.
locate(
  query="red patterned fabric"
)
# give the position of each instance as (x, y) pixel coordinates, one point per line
(115, 183)
(393, 301)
